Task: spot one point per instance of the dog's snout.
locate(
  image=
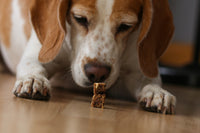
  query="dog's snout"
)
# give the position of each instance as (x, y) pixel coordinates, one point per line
(97, 73)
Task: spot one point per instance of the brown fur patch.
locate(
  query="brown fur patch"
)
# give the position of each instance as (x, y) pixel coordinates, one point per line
(99, 54)
(155, 35)
(87, 3)
(88, 6)
(123, 8)
(91, 60)
(48, 19)
(5, 21)
(96, 37)
(126, 6)
(103, 38)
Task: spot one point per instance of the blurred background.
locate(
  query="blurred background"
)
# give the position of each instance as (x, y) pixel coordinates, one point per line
(180, 63)
(185, 19)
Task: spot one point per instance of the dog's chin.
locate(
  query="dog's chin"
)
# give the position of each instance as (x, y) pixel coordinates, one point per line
(88, 84)
(83, 83)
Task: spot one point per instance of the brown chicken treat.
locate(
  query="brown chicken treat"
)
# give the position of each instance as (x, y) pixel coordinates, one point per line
(99, 96)
(99, 88)
(98, 101)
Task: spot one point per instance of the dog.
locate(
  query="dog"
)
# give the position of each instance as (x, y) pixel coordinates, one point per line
(117, 42)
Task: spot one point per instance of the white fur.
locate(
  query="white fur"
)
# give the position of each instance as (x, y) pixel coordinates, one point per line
(30, 72)
(104, 8)
(76, 48)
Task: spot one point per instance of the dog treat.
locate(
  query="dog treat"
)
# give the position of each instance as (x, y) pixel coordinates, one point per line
(99, 96)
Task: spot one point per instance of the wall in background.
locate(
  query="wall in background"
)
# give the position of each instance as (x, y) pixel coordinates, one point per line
(185, 19)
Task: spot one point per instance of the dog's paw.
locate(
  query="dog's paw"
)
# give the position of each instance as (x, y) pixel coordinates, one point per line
(153, 98)
(32, 88)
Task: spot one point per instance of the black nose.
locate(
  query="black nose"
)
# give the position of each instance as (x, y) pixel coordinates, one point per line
(97, 73)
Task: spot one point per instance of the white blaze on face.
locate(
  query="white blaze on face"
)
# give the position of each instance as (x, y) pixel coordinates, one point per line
(104, 8)
(101, 37)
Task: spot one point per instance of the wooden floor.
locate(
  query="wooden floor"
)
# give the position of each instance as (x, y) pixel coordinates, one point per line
(69, 112)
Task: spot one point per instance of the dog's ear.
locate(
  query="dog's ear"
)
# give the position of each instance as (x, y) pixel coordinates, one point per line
(155, 35)
(48, 20)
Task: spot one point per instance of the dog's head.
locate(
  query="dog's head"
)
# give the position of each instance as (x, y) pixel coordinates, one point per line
(99, 30)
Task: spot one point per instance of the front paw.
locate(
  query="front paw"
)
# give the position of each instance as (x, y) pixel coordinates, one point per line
(153, 98)
(32, 87)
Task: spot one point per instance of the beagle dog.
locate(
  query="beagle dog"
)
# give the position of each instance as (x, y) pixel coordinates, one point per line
(117, 42)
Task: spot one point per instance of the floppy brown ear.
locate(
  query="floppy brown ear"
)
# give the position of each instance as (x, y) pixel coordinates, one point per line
(48, 20)
(156, 32)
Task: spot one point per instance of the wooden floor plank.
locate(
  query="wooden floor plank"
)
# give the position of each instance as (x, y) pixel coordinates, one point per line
(69, 112)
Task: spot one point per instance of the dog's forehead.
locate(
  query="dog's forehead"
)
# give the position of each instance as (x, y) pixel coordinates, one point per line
(109, 6)
(90, 4)
(127, 6)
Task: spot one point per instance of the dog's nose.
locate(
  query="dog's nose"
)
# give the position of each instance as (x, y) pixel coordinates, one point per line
(97, 73)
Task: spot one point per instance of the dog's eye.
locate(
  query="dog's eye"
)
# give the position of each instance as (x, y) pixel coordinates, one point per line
(81, 20)
(123, 28)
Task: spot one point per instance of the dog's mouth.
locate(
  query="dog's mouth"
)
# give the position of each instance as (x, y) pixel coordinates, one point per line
(89, 84)
(86, 83)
